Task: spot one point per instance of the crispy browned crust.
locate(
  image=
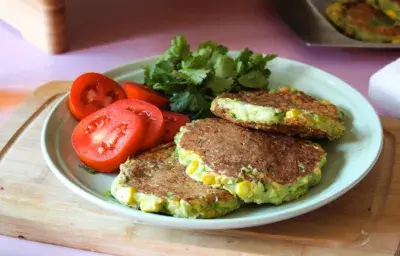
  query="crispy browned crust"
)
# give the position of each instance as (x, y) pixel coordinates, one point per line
(360, 14)
(285, 99)
(296, 127)
(158, 172)
(226, 148)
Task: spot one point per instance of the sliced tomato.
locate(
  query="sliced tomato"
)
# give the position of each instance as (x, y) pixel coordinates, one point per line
(142, 92)
(105, 139)
(91, 92)
(173, 122)
(153, 118)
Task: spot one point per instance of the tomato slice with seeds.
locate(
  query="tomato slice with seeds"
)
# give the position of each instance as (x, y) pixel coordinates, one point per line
(91, 92)
(142, 92)
(153, 118)
(105, 139)
(173, 122)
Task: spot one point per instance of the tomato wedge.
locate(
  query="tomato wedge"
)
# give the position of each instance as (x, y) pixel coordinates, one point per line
(142, 92)
(153, 118)
(105, 139)
(173, 122)
(91, 92)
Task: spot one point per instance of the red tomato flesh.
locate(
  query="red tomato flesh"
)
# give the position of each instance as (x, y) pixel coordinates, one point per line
(151, 115)
(142, 92)
(91, 92)
(173, 122)
(106, 138)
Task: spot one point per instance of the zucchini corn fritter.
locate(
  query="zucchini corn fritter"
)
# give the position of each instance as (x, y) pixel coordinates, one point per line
(156, 182)
(390, 7)
(362, 21)
(284, 110)
(256, 166)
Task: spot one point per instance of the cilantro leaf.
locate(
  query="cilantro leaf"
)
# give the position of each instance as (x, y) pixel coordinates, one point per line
(199, 103)
(198, 59)
(107, 195)
(169, 89)
(180, 101)
(254, 79)
(196, 76)
(219, 85)
(178, 50)
(191, 102)
(242, 61)
(214, 47)
(192, 79)
(224, 66)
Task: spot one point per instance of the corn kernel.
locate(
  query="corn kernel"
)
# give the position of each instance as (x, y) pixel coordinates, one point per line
(392, 14)
(126, 195)
(308, 118)
(192, 167)
(284, 89)
(223, 180)
(243, 189)
(149, 204)
(293, 113)
(396, 41)
(208, 178)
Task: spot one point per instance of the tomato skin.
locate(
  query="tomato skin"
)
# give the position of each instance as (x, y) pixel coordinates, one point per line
(153, 118)
(91, 92)
(105, 139)
(173, 122)
(142, 92)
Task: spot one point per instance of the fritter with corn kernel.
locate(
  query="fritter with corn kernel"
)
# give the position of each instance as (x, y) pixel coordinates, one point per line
(284, 110)
(364, 21)
(256, 166)
(391, 8)
(155, 181)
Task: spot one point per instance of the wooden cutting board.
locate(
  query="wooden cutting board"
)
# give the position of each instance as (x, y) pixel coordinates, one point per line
(34, 205)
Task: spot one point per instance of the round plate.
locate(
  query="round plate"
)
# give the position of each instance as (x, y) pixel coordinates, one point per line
(349, 158)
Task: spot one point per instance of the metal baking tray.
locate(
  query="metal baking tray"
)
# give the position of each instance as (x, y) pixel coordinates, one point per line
(306, 18)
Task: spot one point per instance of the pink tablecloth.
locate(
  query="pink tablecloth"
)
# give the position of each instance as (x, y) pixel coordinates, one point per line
(119, 32)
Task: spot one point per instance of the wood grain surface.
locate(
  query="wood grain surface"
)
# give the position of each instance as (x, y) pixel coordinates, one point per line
(34, 205)
(40, 22)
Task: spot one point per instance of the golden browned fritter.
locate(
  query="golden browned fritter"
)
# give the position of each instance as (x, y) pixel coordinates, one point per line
(155, 181)
(220, 153)
(285, 110)
(363, 21)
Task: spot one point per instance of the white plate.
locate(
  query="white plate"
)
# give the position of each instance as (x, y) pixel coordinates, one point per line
(349, 159)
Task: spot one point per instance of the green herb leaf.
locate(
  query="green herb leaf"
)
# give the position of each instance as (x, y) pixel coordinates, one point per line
(196, 76)
(219, 85)
(214, 47)
(199, 103)
(193, 79)
(198, 59)
(191, 102)
(180, 101)
(178, 50)
(224, 66)
(107, 194)
(242, 61)
(254, 80)
(88, 169)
